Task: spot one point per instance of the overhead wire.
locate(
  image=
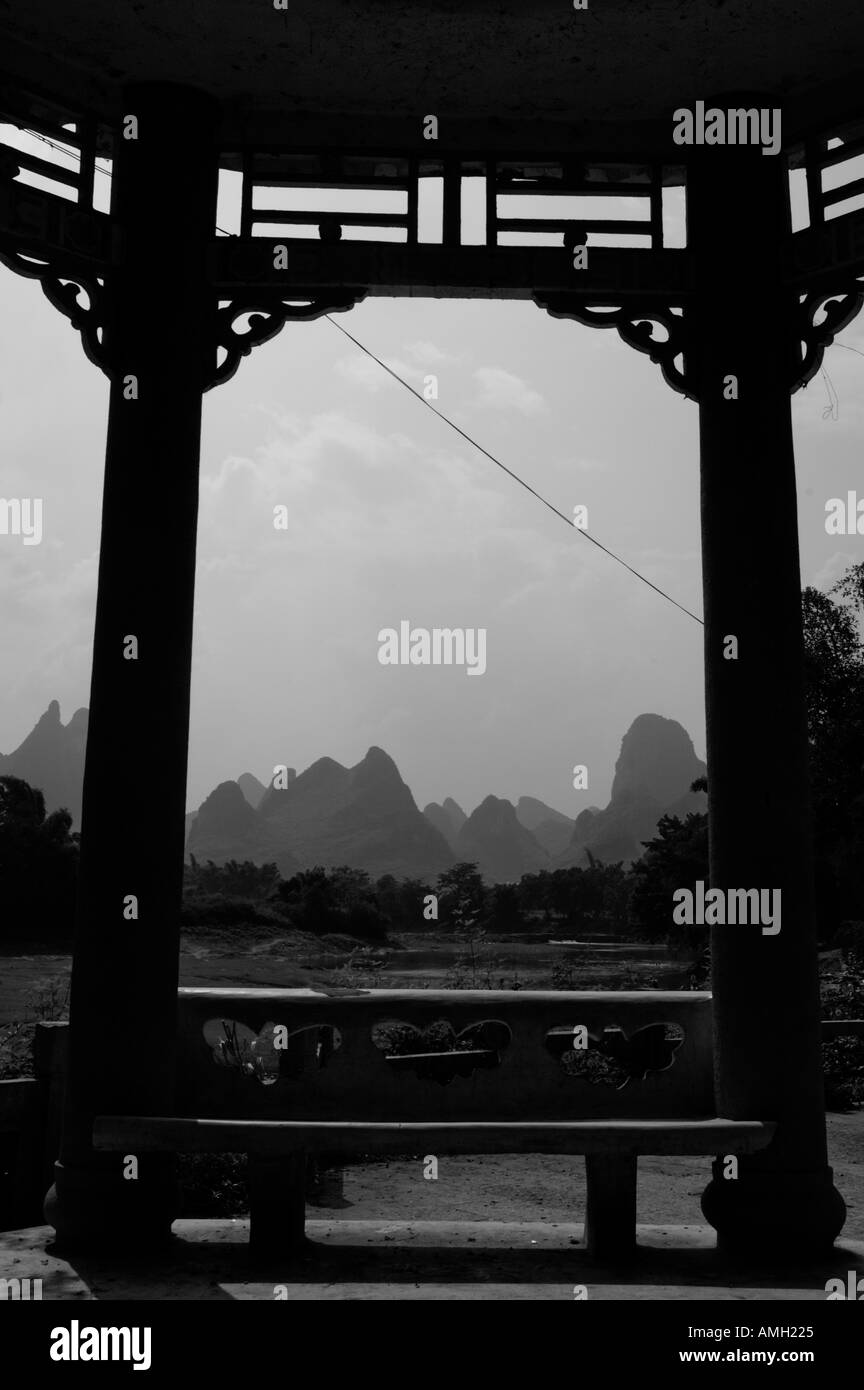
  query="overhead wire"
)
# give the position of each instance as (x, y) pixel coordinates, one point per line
(509, 471)
(583, 531)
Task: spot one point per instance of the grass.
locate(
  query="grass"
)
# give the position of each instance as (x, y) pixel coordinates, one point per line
(46, 1000)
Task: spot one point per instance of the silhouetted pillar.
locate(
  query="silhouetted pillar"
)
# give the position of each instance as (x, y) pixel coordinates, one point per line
(766, 997)
(125, 971)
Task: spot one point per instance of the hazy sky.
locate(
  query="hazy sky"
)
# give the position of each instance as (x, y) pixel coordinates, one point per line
(392, 517)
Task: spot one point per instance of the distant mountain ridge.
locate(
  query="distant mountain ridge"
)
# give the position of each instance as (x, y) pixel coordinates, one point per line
(366, 815)
(493, 838)
(550, 828)
(653, 775)
(51, 758)
(449, 818)
(252, 789)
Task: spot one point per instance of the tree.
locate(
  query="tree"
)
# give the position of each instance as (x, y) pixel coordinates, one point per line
(675, 858)
(504, 914)
(342, 900)
(232, 879)
(834, 673)
(38, 864)
(462, 895)
(310, 900)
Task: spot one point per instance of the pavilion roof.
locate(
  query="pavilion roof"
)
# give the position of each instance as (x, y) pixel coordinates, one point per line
(495, 70)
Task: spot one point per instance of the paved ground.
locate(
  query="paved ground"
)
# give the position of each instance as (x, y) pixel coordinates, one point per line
(428, 1260)
(542, 1187)
(463, 1236)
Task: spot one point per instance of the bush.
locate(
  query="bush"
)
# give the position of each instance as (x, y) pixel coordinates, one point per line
(343, 900)
(212, 1185)
(213, 910)
(38, 865)
(843, 1068)
(843, 995)
(231, 880)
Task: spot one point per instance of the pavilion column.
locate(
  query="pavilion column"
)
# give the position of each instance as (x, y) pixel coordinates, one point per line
(766, 997)
(125, 972)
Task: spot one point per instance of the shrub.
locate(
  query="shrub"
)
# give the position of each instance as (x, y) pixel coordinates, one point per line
(212, 1185)
(843, 1068)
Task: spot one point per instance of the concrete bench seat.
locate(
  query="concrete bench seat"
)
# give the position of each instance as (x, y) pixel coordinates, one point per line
(151, 1134)
(285, 1075)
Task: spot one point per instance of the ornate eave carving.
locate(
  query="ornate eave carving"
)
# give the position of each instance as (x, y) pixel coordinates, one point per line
(647, 293)
(838, 307)
(267, 317)
(637, 323)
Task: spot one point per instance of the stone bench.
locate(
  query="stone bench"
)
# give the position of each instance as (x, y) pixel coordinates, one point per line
(284, 1074)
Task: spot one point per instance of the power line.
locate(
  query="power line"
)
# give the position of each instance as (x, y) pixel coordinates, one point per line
(470, 441)
(473, 442)
(510, 473)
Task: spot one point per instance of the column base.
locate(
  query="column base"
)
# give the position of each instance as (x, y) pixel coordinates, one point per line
(761, 1214)
(94, 1208)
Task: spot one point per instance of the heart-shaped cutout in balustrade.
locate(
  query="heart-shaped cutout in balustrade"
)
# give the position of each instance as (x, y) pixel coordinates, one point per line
(608, 1057)
(275, 1052)
(437, 1052)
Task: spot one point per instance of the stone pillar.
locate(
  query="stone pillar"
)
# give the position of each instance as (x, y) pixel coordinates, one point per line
(766, 999)
(125, 970)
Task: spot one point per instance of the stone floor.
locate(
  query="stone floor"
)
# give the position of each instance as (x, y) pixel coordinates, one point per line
(445, 1260)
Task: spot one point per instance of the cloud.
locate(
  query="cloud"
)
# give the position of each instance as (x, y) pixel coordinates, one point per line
(360, 370)
(36, 591)
(428, 355)
(373, 504)
(835, 566)
(504, 390)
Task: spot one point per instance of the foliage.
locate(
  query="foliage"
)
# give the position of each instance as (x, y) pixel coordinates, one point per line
(843, 1069)
(842, 996)
(834, 670)
(48, 1000)
(676, 857)
(462, 897)
(403, 1039)
(401, 901)
(233, 879)
(343, 900)
(212, 910)
(212, 1185)
(595, 897)
(564, 975)
(503, 910)
(362, 969)
(38, 865)
(700, 971)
